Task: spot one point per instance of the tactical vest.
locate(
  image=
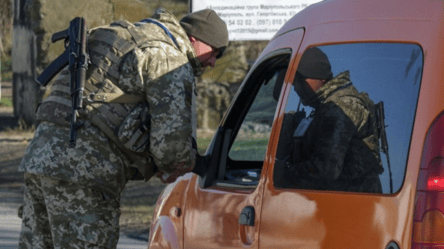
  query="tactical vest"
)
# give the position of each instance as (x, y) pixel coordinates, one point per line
(106, 105)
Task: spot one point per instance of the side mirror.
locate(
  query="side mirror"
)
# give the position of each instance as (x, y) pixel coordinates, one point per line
(200, 168)
(209, 166)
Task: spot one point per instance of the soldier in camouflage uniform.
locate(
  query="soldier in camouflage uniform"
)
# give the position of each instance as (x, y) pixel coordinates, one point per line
(339, 150)
(140, 85)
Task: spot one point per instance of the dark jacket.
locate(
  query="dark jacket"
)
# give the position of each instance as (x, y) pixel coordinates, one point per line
(340, 149)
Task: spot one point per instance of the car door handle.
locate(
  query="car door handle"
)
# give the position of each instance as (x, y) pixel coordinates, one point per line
(246, 217)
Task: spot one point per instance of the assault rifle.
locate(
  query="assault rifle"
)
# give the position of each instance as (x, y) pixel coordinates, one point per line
(382, 134)
(75, 55)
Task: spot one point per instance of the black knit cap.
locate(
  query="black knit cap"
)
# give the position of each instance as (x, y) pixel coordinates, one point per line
(314, 64)
(208, 27)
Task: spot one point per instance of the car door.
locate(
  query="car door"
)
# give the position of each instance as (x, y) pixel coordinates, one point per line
(223, 208)
(304, 217)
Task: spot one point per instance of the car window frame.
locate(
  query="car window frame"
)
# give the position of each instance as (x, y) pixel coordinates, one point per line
(383, 157)
(217, 152)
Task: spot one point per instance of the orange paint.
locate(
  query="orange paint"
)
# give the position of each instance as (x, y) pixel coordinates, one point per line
(321, 219)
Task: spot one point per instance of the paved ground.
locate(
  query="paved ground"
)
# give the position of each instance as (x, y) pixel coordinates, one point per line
(10, 225)
(10, 230)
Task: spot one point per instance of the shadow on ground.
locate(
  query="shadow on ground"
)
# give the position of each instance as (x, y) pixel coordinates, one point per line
(8, 123)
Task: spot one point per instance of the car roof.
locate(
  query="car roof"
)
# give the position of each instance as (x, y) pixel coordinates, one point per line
(335, 11)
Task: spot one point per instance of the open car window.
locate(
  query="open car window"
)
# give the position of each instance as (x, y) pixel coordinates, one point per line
(255, 110)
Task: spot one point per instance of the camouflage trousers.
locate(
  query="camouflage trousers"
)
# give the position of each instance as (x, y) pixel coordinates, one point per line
(59, 214)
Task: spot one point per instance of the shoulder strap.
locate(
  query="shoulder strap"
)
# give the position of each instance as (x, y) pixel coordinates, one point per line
(112, 39)
(167, 31)
(137, 37)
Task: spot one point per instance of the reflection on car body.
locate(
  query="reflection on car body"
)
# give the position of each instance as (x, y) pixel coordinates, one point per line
(392, 51)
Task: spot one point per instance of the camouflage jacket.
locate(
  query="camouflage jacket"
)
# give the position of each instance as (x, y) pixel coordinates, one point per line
(340, 149)
(158, 70)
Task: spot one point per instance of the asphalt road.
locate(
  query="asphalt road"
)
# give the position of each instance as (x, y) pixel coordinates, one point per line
(9, 228)
(10, 231)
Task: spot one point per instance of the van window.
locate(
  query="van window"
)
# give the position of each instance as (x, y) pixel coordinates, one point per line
(252, 139)
(252, 120)
(387, 72)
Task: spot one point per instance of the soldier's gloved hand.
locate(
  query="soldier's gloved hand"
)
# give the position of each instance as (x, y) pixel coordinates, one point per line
(180, 169)
(165, 177)
(169, 178)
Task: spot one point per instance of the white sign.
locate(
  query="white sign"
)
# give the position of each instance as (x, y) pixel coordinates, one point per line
(253, 19)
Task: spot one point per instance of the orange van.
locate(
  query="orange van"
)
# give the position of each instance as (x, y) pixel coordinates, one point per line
(393, 51)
